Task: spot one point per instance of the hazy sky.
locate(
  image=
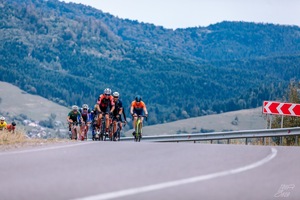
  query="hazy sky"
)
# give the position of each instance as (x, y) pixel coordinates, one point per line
(190, 13)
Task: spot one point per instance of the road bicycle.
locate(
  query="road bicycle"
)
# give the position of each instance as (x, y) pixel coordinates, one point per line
(75, 130)
(117, 134)
(101, 132)
(84, 130)
(94, 127)
(138, 128)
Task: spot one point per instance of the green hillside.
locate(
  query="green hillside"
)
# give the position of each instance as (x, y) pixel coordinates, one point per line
(68, 53)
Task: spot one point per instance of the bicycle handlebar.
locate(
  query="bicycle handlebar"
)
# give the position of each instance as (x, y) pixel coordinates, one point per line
(139, 116)
(74, 123)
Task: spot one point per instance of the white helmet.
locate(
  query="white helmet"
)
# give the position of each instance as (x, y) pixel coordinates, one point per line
(85, 106)
(2, 118)
(116, 94)
(74, 107)
(107, 91)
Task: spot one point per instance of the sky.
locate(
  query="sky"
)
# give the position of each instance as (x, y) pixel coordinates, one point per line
(193, 13)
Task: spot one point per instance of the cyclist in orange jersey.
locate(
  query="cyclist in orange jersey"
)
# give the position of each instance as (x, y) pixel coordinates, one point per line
(138, 108)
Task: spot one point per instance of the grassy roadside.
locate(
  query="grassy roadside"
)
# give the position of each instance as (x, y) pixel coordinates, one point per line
(19, 139)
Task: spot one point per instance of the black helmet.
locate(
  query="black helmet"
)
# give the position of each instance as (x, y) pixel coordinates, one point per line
(138, 98)
(13, 123)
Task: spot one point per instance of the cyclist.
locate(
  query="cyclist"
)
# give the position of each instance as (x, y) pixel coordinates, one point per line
(117, 113)
(94, 117)
(74, 116)
(3, 123)
(11, 127)
(105, 105)
(138, 108)
(86, 118)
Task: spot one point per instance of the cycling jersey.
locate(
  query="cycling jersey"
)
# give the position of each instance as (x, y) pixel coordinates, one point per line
(138, 108)
(75, 117)
(118, 107)
(3, 125)
(10, 127)
(86, 114)
(104, 103)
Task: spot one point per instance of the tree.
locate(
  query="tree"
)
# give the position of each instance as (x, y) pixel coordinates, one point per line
(289, 121)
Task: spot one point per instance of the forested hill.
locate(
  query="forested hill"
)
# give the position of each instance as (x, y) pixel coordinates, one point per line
(69, 53)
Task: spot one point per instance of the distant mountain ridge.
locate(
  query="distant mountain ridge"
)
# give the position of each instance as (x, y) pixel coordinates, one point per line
(69, 53)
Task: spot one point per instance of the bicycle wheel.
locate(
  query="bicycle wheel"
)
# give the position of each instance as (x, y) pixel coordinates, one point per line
(139, 132)
(110, 132)
(103, 134)
(117, 134)
(74, 133)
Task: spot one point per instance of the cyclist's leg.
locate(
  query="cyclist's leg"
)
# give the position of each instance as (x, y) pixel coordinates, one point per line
(78, 132)
(141, 125)
(134, 123)
(115, 122)
(81, 126)
(107, 121)
(99, 119)
(118, 129)
(86, 129)
(72, 132)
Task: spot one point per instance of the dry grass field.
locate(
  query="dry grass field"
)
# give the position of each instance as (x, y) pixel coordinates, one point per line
(19, 139)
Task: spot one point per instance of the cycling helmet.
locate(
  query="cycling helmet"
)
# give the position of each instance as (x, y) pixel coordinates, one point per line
(85, 106)
(74, 107)
(2, 118)
(116, 94)
(138, 98)
(107, 91)
(13, 123)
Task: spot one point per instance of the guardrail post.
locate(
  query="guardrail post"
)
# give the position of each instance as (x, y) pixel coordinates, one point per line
(228, 141)
(264, 141)
(296, 141)
(211, 141)
(246, 141)
(280, 140)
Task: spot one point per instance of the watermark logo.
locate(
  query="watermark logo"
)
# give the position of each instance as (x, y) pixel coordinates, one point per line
(284, 190)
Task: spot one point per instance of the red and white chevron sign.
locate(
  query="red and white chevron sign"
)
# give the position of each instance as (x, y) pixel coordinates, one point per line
(278, 108)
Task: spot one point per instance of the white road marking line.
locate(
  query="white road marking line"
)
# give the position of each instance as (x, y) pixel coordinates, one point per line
(41, 149)
(160, 186)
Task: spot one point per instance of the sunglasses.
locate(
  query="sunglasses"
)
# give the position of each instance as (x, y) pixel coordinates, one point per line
(107, 94)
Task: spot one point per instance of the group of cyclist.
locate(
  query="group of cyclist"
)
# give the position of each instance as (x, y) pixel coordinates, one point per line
(4, 126)
(108, 107)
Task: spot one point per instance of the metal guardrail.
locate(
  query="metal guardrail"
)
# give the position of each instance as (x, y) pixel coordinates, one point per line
(262, 133)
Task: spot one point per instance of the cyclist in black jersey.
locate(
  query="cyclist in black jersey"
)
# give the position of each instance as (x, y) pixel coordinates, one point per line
(117, 113)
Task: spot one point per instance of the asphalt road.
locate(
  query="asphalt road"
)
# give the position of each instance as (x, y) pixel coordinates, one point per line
(127, 170)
